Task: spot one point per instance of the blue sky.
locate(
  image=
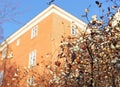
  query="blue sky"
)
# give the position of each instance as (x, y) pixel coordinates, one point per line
(28, 9)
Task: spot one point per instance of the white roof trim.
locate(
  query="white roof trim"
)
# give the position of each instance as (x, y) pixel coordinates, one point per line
(41, 16)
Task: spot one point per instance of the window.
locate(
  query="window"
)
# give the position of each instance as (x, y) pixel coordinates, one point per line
(32, 59)
(34, 32)
(30, 81)
(4, 53)
(18, 42)
(1, 77)
(10, 55)
(74, 30)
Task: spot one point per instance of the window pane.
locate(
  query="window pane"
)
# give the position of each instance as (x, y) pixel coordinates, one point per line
(32, 58)
(4, 53)
(30, 81)
(1, 77)
(34, 32)
(74, 30)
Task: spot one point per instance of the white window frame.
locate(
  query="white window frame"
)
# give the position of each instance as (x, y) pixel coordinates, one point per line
(30, 81)
(32, 58)
(10, 55)
(4, 53)
(1, 77)
(74, 30)
(18, 42)
(34, 32)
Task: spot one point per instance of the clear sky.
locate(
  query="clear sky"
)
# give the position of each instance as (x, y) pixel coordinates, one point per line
(25, 10)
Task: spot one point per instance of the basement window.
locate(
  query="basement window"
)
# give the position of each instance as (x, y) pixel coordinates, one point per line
(30, 81)
(34, 32)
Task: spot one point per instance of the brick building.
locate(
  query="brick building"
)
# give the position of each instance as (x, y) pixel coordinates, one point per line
(36, 44)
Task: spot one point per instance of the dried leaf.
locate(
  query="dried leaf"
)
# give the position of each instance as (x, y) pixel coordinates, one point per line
(58, 63)
(101, 17)
(108, 8)
(98, 3)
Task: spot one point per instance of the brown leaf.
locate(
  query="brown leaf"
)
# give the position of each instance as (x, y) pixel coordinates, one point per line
(108, 8)
(101, 17)
(58, 63)
(98, 4)
(78, 60)
(69, 66)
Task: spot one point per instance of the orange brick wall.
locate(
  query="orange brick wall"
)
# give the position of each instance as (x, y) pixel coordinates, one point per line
(47, 42)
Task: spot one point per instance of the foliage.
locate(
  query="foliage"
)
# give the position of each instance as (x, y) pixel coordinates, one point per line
(88, 59)
(91, 59)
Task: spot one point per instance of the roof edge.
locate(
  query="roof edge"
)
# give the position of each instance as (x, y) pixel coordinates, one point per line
(51, 9)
